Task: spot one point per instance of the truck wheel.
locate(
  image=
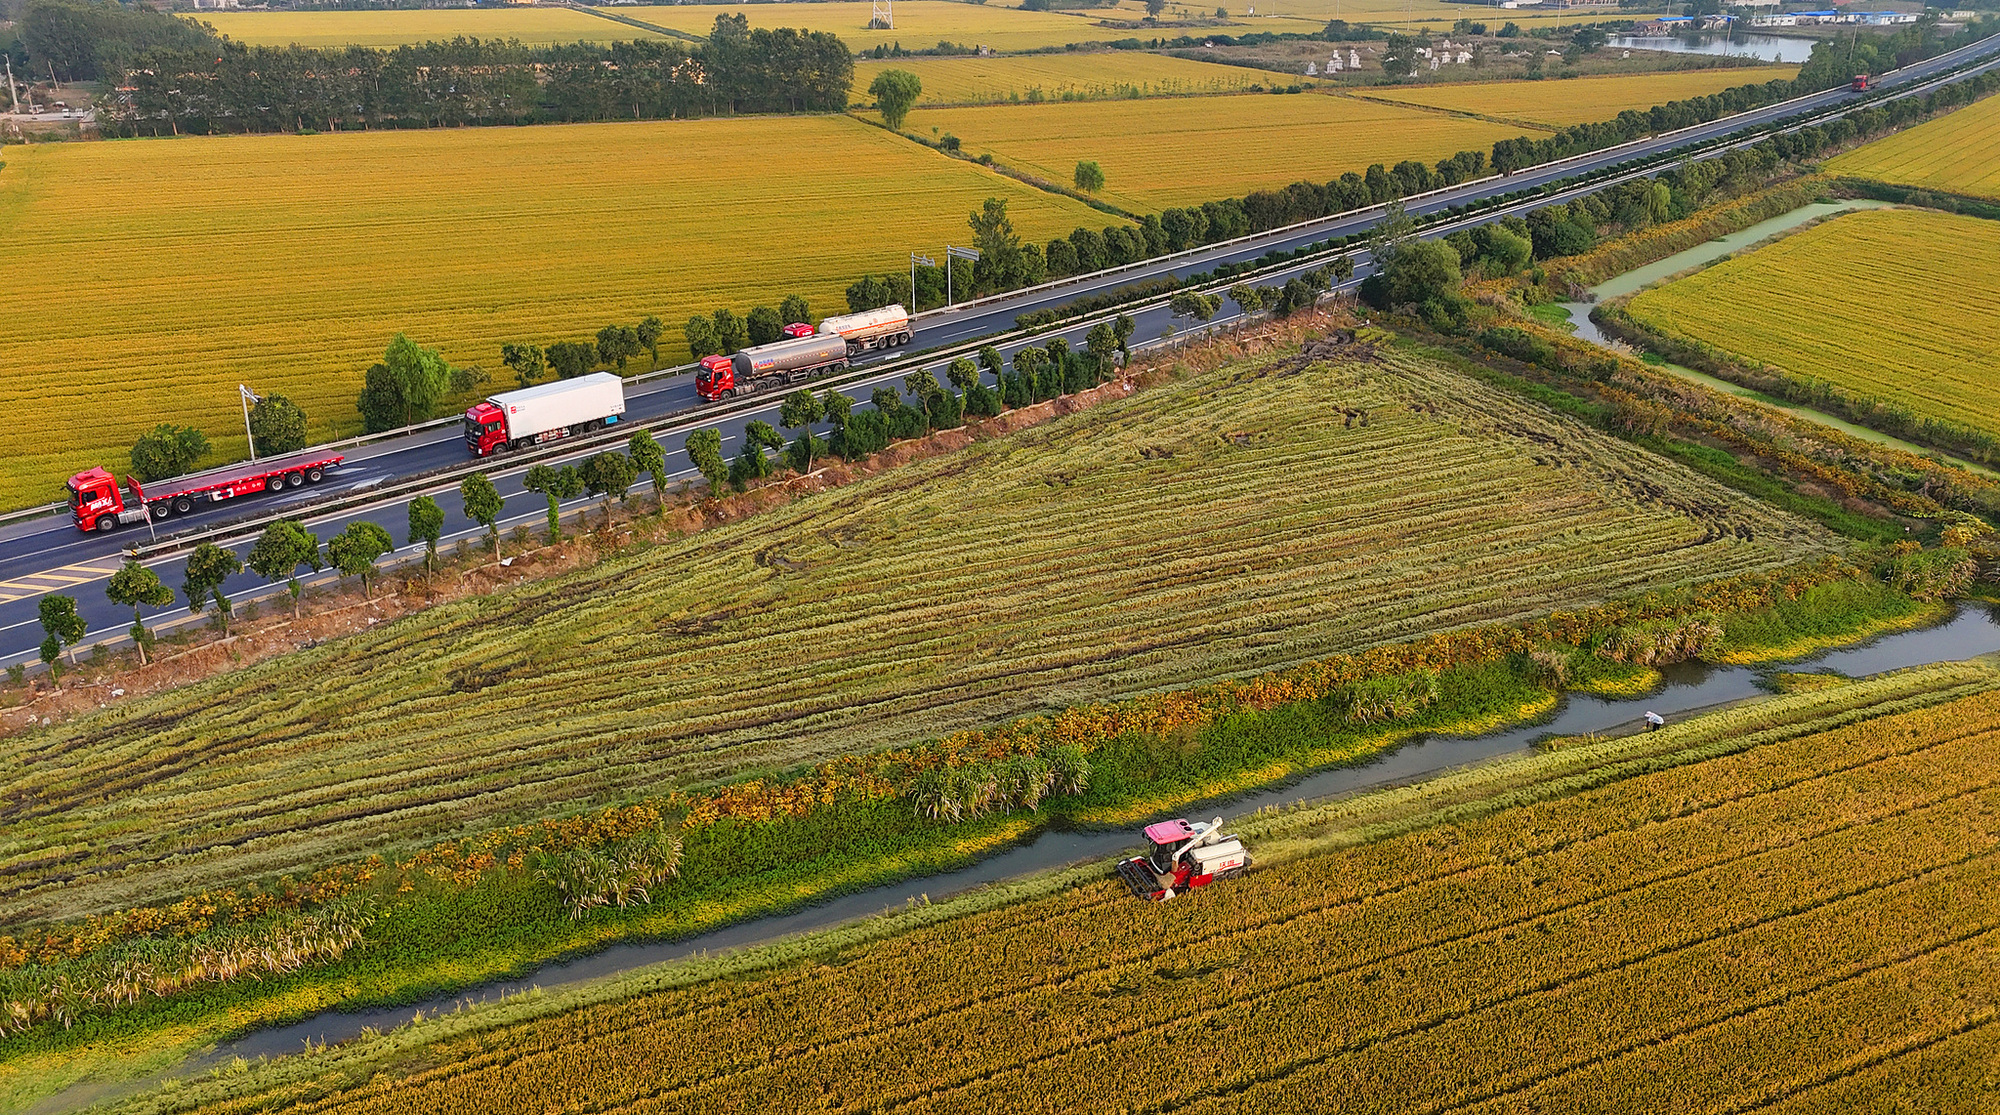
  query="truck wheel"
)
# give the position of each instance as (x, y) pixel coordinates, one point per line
(314, 474)
(107, 522)
(160, 510)
(293, 480)
(183, 505)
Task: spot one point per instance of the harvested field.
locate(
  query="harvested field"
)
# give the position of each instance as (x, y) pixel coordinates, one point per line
(1558, 104)
(540, 26)
(1257, 516)
(920, 24)
(1163, 153)
(1856, 302)
(1055, 77)
(336, 243)
(1958, 153)
(1799, 913)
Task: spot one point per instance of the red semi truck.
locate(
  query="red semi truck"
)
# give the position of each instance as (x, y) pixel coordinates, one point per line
(97, 502)
(762, 367)
(1863, 83)
(546, 412)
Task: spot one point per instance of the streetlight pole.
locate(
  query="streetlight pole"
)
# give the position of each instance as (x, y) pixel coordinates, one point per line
(951, 253)
(247, 397)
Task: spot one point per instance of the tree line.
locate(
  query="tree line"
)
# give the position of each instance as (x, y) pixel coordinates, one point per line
(219, 86)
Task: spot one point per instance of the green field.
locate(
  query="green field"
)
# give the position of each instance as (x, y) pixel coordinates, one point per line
(1791, 908)
(535, 26)
(1222, 526)
(1895, 304)
(1558, 104)
(288, 263)
(1162, 153)
(1959, 153)
(1097, 76)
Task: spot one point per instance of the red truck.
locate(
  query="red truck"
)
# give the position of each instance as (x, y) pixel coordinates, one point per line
(762, 367)
(1863, 83)
(97, 502)
(565, 408)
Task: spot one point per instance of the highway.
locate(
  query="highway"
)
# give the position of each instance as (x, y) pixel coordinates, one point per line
(48, 554)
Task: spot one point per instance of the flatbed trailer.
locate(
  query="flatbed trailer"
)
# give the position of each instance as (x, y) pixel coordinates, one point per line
(97, 502)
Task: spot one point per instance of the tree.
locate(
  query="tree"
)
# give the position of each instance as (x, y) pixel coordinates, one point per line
(63, 626)
(277, 425)
(618, 343)
(426, 526)
(1422, 271)
(1102, 344)
(419, 377)
(1089, 176)
(353, 551)
(999, 247)
(704, 450)
(483, 505)
(608, 474)
(1249, 297)
(207, 568)
(571, 359)
(280, 550)
(1154, 8)
(895, 92)
(167, 450)
(794, 309)
(555, 485)
(1343, 268)
(764, 325)
(1400, 59)
(962, 373)
(700, 334)
(648, 331)
(798, 412)
(649, 458)
(731, 333)
(135, 586)
(529, 362)
(1121, 328)
(1192, 304)
(751, 463)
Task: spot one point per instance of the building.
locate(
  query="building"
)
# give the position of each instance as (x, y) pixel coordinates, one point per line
(1883, 19)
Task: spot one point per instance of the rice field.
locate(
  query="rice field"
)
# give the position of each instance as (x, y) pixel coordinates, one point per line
(1583, 100)
(1895, 303)
(1221, 526)
(1099, 76)
(533, 26)
(920, 24)
(289, 262)
(1809, 923)
(1162, 153)
(1958, 153)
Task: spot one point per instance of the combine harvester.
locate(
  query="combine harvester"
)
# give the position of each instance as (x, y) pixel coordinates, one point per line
(1183, 856)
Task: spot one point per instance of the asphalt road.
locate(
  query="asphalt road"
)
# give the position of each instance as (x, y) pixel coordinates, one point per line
(44, 555)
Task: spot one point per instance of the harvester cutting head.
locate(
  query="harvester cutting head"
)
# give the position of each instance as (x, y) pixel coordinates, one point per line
(1183, 855)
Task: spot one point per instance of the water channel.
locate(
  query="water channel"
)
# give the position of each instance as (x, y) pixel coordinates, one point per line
(1770, 48)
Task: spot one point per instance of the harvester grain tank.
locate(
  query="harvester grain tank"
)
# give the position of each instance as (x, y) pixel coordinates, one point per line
(98, 502)
(763, 367)
(871, 329)
(1183, 855)
(565, 408)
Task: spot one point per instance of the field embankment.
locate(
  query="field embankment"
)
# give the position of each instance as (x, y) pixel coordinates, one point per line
(1895, 305)
(289, 262)
(1789, 906)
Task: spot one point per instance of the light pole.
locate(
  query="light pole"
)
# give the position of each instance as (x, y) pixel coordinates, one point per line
(248, 396)
(951, 253)
(914, 260)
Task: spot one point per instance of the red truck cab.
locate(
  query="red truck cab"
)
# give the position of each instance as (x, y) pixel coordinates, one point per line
(1863, 83)
(485, 429)
(798, 329)
(96, 501)
(716, 378)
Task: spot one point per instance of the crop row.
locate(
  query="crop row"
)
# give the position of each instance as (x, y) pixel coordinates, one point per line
(1551, 955)
(1959, 154)
(1186, 534)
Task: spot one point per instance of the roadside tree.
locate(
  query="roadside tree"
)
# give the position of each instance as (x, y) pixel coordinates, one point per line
(167, 450)
(134, 586)
(277, 425)
(207, 568)
(280, 550)
(427, 526)
(354, 551)
(483, 505)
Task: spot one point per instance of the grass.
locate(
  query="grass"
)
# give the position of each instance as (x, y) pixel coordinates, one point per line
(920, 24)
(1958, 153)
(1791, 902)
(1162, 153)
(290, 262)
(1558, 104)
(539, 26)
(1226, 525)
(1894, 304)
(1100, 76)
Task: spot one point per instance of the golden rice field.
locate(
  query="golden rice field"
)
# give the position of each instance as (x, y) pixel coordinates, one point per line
(289, 262)
(1583, 100)
(1803, 921)
(1220, 526)
(975, 80)
(920, 24)
(1958, 153)
(1895, 303)
(536, 26)
(1161, 153)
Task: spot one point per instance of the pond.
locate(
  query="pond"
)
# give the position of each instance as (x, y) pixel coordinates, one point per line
(1770, 48)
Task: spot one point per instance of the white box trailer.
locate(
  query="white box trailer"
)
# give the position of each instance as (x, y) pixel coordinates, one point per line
(545, 412)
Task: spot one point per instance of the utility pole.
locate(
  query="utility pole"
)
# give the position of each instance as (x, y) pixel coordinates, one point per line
(951, 253)
(248, 397)
(12, 93)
